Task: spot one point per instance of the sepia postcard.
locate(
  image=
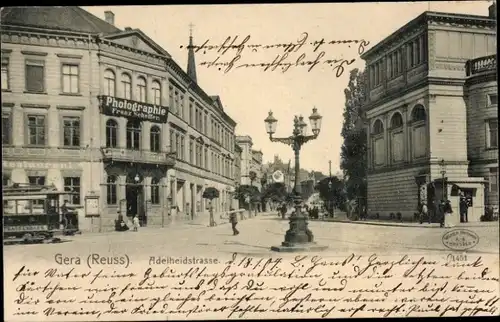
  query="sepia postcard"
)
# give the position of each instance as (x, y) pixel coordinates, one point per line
(250, 161)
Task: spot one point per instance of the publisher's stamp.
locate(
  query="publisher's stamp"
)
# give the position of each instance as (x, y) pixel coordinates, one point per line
(460, 239)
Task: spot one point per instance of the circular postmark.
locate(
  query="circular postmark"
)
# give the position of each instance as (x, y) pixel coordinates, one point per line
(460, 239)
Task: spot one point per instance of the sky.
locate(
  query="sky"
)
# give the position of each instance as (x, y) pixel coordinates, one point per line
(248, 94)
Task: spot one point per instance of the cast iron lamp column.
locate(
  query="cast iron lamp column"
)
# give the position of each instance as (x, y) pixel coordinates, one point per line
(298, 237)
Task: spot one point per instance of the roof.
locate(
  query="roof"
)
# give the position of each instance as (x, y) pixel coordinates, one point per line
(142, 35)
(483, 21)
(60, 18)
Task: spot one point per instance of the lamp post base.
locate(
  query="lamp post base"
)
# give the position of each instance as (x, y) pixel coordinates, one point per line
(298, 248)
(298, 237)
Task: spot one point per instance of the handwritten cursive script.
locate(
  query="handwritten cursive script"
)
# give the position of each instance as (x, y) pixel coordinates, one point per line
(251, 287)
(230, 54)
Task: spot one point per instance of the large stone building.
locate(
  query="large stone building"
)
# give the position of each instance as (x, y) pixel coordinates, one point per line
(421, 123)
(481, 95)
(98, 110)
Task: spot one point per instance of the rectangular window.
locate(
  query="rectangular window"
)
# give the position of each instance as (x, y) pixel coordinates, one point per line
(36, 130)
(379, 151)
(35, 76)
(172, 141)
(171, 104)
(70, 79)
(37, 181)
(183, 154)
(492, 134)
(176, 102)
(191, 152)
(72, 184)
(181, 106)
(5, 75)
(205, 157)
(6, 129)
(71, 128)
(178, 145)
(419, 142)
(493, 100)
(493, 180)
(191, 119)
(397, 147)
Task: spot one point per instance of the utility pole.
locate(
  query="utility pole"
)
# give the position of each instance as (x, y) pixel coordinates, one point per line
(330, 166)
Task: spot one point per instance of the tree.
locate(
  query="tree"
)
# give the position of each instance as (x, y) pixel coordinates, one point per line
(354, 147)
(275, 191)
(331, 191)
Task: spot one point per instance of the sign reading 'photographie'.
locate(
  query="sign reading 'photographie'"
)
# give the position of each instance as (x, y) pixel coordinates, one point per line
(114, 106)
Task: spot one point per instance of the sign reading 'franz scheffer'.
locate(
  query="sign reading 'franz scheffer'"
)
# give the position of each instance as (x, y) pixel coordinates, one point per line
(114, 106)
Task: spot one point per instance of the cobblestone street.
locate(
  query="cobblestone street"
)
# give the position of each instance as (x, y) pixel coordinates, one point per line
(257, 235)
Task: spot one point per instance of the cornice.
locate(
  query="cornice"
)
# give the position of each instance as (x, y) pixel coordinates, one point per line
(482, 78)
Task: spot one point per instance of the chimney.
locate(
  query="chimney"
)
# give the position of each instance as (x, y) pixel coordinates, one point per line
(109, 16)
(492, 10)
(128, 29)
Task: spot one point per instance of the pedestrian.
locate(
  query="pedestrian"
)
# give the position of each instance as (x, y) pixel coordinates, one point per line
(424, 212)
(440, 210)
(233, 219)
(136, 223)
(464, 208)
(447, 214)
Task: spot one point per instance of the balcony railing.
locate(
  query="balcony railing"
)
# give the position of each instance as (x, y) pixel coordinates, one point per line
(141, 156)
(481, 64)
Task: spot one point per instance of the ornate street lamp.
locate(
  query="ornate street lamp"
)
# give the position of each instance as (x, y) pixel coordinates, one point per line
(298, 237)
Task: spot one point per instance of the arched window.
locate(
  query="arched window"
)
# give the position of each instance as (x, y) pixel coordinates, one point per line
(127, 86)
(133, 135)
(154, 139)
(396, 121)
(418, 114)
(141, 89)
(111, 134)
(109, 82)
(155, 191)
(111, 184)
(378, 143)
(419, 132)
(378, 127)
(397, 138)
(156, 92)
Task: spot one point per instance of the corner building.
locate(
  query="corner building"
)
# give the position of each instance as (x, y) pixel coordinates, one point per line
(421, 127)
(102, 111)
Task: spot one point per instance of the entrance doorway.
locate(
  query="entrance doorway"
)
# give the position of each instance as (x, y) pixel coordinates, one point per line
(135, 202)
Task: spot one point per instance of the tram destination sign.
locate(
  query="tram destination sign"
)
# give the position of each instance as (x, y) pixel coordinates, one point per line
(120, 107)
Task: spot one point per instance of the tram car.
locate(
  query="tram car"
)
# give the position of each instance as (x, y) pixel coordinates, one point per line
(36, 214)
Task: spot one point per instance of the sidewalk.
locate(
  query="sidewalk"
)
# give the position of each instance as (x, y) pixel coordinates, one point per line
(410, 224)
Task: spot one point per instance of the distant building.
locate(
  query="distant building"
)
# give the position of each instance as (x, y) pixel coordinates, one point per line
(420, 111)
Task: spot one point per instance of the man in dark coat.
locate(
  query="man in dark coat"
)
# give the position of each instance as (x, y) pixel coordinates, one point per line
(464, 208)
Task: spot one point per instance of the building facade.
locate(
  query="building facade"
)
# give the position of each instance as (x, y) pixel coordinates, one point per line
(481, 97)
(417, 114)
(102, 111)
